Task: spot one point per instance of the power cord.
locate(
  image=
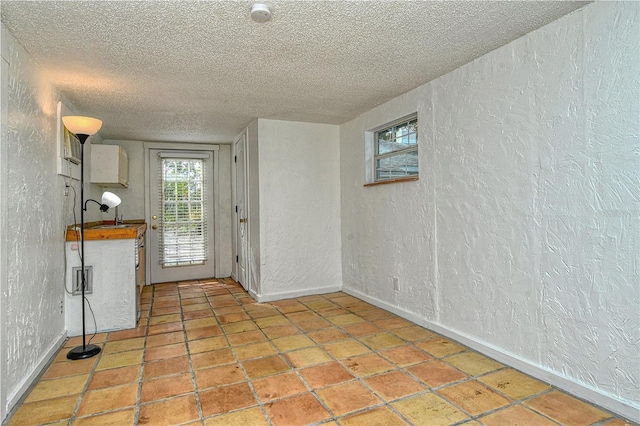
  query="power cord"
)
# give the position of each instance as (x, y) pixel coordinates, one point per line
(80, 255)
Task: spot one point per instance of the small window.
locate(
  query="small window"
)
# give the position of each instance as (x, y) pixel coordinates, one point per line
(396, 149)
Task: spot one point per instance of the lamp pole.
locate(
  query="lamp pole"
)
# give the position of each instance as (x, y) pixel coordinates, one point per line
(84, 351)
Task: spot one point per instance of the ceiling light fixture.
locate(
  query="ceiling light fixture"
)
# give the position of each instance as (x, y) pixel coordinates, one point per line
(260, 12)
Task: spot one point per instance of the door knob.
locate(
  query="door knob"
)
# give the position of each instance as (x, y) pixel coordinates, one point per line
(154, 217)
(154, 226)
(243, 220)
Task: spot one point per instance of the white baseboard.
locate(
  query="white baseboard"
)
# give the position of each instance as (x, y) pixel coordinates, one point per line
(270, 297)
(588, 393)
(17, 394)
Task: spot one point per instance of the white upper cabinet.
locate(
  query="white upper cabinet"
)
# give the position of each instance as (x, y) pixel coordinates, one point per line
(109, 166)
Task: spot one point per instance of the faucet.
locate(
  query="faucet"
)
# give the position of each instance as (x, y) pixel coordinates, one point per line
(118, 220)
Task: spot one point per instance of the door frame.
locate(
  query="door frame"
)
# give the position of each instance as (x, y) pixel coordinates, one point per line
(236, 219)
(215, 201)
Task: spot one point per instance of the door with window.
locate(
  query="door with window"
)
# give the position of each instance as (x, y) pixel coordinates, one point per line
(181, 228)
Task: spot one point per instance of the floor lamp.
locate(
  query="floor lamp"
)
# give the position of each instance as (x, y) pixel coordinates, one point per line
(83, 127)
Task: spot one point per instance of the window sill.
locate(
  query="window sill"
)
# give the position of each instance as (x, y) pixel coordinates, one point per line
(397, 180)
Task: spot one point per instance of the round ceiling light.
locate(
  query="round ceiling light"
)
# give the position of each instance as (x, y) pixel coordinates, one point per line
(260, 12)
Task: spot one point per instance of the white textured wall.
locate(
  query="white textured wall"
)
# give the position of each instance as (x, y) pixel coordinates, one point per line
(299, 208)
(523, 233)
(33, 231)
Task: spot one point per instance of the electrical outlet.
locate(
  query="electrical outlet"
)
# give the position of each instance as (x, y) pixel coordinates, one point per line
(77, 280)
(66, 189)
(396, 286)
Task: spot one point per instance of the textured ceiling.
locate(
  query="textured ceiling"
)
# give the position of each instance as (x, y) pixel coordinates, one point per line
(200, 71)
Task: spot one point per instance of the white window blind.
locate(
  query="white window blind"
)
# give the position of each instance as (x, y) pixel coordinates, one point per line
(183, 205)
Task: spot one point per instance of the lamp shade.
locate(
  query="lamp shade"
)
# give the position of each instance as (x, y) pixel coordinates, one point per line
(80, 125)
(111, 199)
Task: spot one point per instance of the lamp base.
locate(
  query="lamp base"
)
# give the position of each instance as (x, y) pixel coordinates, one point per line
(82, 352)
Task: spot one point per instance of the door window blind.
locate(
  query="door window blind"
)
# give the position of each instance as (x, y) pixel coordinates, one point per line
(183, 225)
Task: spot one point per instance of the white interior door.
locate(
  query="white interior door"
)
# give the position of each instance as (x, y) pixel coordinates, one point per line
(181, 227)
(241, 212)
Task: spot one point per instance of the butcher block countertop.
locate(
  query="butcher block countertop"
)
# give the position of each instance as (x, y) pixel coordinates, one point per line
(102, 231)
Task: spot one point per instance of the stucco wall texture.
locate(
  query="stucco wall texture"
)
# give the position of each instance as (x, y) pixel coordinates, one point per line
(299, 206)
(523, 232)
(33, 322)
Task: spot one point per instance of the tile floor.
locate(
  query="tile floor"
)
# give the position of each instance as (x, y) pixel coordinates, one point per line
(205, 353)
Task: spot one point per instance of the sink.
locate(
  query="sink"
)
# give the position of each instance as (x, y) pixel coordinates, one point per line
(110, 226)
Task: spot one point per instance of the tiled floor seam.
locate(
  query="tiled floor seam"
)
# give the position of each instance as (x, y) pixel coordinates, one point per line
(83, 393)
(194, 382)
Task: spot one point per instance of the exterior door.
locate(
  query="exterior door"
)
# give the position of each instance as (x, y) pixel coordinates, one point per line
(181, 226)
(241, 212)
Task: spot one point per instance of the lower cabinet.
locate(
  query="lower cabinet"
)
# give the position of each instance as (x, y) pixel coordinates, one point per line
(112, 302)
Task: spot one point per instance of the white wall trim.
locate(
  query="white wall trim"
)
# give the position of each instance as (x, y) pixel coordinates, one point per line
(608, 402)
(22, 389)
(296, 293)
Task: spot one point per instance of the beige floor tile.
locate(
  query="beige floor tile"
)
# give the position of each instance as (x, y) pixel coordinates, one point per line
(108, 399)
(71, 368)
(204, 332)
(212, 358)
(200, 323)
(164, 319)
(345, 319)
(281, 331)
(249, 417)
(165, 387)
(226, 398)
(45, 411)
(165, 328)
(308, 357)
(218, 376)
(359, 397)
(122, 417)
(362, 329)
(246, 337)
(515, 415)
(566, 409)
(474, 397)
(327, 374)
(376, 417)
(290, 343)
(297, 410)
(429, 409)
(346, 348)
(414, 333)
(170, 411)
(165, 339)
(278, 386)
(513, 383)
(114, 377)
(440, 347)
(327, 335)
(55, 388)
(164, 352)
(405, 355)
(436, 373)
(472, 363)
(394, 385)
(381, 341)
(123, 345)
(165, 367)
(265, 366)
(238, 327)
(254, 350)
(367, 365)
(206, 345)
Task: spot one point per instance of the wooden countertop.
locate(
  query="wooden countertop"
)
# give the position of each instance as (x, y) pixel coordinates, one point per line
(93, 231)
